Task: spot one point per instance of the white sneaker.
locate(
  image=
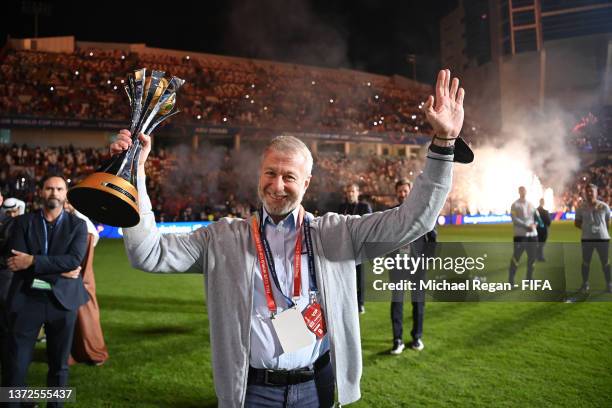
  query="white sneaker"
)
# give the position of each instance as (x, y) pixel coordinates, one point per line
(398, 347)
(417, 345)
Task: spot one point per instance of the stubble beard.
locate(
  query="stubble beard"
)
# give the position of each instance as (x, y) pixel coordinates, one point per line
(285, 207)
(53, 203)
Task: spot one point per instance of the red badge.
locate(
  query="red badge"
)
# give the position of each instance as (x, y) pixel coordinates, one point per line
(313, 316)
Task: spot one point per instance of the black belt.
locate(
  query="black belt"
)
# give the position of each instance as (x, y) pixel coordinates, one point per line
(262, 376)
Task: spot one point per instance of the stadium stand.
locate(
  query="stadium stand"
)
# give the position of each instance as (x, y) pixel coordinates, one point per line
(88, 84)
(205, 194)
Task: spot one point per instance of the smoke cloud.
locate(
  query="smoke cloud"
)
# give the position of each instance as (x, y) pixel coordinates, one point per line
(286, 30)
(533, 153)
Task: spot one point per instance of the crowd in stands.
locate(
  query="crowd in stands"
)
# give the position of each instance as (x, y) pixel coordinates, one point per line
(600, 174)
(22, 168)
(592, 132)
(89, 84)
(225, 183)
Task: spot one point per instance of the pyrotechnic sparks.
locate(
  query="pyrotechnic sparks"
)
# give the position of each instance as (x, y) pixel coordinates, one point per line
(490, 184)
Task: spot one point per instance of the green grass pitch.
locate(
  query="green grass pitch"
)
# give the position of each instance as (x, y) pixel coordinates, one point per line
(489, 354)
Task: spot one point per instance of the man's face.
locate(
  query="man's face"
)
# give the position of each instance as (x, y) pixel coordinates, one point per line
(402, 192)
(283, 180)
(590, 193)
(13, 212)
(522, 192)
(352, 194)
(54, 193)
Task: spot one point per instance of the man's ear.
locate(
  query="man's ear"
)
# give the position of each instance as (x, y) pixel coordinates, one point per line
(307, 182)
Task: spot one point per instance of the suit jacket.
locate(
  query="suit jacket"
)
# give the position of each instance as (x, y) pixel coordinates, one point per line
(359, 208)
(6, 224)
(545, 217)
(67, 250)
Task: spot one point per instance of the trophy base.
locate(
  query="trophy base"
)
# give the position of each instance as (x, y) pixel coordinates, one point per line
(106, 198)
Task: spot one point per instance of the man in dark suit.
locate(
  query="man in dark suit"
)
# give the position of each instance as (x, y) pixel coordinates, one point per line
(424, 245)
(352, 206)
(47, 246)
(542, 225)
(8, 212)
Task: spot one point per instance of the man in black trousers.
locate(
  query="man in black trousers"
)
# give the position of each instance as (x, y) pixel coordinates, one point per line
(7, 218)
(542, 225)
(47, 248)
(352, 206)
(424, 245)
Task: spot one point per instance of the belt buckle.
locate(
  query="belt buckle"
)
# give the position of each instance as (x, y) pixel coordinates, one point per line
(287, 377)
(267, 380)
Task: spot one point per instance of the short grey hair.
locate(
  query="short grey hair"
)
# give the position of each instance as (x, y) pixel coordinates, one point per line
(290, 144)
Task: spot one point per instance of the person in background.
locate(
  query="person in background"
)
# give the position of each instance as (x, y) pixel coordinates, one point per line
(542, 225)
(10, 209)
(47, 248)
(88, 345)
(352, 206)
(593, 219)
(424, 245)
(525, 234)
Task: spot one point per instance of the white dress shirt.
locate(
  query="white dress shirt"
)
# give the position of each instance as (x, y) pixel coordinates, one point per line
(266, 351)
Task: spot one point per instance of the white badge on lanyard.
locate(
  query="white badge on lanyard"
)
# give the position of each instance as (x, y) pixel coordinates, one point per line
(291, 330)
(289, 325)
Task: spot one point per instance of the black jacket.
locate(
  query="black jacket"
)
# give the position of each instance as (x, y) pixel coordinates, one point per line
(6, 224)
(67, 251)
(359, 208)
(545, 217)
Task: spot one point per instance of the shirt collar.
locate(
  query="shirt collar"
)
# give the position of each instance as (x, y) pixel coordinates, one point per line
(289, 221)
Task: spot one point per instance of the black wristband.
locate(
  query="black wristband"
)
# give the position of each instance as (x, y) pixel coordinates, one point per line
(448, 150)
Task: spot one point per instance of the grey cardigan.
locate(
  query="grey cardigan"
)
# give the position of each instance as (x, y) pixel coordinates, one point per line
(224, 252)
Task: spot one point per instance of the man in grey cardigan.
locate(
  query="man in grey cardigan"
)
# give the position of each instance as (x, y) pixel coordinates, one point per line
(262, 354)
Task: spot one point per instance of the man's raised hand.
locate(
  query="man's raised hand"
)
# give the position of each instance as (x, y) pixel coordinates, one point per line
(445, 112)
(124, 141)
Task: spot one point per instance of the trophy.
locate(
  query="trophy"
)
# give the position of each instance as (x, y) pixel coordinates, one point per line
(109, 195)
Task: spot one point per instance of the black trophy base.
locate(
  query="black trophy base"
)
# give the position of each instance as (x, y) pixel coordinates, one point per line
(106, 198)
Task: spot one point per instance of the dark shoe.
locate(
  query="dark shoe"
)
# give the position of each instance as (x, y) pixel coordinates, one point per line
(585, 288)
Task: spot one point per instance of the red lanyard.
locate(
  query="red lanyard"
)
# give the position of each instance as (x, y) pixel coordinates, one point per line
(266, 262)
